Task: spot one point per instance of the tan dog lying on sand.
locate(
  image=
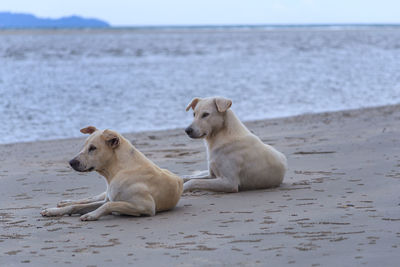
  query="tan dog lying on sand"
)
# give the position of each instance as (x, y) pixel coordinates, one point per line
(135, 185)
(237, 159)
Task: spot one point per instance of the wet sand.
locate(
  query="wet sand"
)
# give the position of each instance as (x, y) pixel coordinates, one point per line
(339, 203)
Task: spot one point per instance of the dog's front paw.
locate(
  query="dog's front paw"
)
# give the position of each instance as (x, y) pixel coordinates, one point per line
(89, 217)
(187, 187)
(49, 212)
(64, 203)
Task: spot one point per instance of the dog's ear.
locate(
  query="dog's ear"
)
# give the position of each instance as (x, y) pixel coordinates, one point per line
(88, 130)
(223, 104)
(193, 103)
(112, 138)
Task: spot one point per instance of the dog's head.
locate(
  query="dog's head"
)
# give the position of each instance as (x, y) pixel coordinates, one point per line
(209, 116)
(97, 151)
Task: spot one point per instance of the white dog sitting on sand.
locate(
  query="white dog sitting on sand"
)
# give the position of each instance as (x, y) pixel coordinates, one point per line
(237, 159)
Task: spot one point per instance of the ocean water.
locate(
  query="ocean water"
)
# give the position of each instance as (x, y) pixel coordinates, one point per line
(54, 82)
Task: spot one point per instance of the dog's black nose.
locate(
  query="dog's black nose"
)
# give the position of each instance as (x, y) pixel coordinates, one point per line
(189, 130)
(74, 163)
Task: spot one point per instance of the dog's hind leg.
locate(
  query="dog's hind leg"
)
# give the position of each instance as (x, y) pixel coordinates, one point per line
(68, 202)
(72, 209)
(140, 206)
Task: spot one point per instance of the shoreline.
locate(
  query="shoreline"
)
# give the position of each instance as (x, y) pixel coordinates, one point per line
(339, 199)
(248, 122)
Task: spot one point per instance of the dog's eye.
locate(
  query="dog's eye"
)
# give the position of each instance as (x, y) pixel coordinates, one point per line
(92, 148)
(194, 114)
(205, 114)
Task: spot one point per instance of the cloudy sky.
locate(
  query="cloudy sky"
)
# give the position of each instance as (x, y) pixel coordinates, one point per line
(200, 12)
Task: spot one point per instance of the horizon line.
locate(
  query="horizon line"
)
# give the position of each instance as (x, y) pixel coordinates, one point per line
(233, 25)
(210, 26)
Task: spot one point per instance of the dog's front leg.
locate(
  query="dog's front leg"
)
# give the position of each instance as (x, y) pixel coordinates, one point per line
(72, 209)
(216, 185)
(198, 175)
(68, 202)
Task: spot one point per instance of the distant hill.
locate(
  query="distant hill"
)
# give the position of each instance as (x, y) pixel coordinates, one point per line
(19, 20)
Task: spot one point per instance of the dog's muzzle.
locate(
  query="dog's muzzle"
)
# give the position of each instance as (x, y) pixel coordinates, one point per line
(189, 131)
(193, 134)
(75, 164)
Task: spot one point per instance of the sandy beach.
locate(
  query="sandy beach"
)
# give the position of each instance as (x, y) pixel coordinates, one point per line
(339, 203)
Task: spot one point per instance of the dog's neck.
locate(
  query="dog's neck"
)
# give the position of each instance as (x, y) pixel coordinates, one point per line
(126, 156)
(232, 129)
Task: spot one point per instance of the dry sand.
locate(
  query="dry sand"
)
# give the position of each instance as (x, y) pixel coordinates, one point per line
(339, 204)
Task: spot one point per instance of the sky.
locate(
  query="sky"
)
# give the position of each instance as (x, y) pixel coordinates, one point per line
(214, 12)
